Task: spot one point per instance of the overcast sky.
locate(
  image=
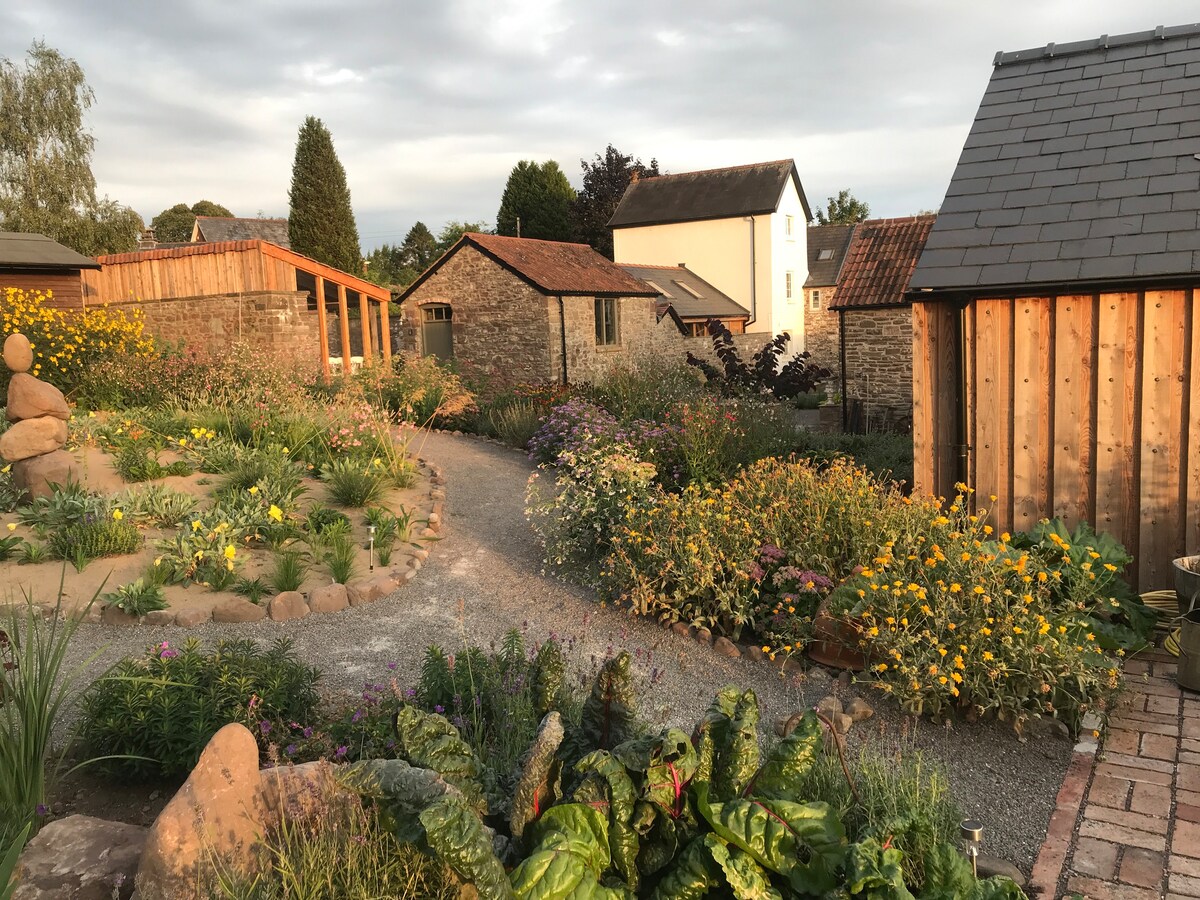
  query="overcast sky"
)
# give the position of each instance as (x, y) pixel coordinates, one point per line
(432, 103)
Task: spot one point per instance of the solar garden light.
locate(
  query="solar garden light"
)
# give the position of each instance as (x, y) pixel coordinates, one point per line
(371, 532)
(972, 835)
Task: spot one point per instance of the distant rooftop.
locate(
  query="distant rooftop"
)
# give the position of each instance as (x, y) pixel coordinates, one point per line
(22, 250)
(880, 262)
(1083, 165)
(748, 190)
(222, 228)
(688, 294)
(826, 251)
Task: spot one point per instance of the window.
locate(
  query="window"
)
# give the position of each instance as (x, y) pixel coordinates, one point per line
(657, 288)
(607, 334)
(789, 226)
(824, 254)
(438, 313)
(689, 289)
(788, 280)
(814, 300)
(698, 329)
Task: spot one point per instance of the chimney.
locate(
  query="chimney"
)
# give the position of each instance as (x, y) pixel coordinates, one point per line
(634, 176)
(147, 240)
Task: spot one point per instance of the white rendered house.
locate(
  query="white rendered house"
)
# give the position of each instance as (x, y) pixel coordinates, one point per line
(743, 229)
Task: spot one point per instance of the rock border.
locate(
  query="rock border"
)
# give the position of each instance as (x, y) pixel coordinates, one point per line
(330, 598)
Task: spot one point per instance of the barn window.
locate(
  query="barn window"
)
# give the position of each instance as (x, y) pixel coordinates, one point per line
(606, 322)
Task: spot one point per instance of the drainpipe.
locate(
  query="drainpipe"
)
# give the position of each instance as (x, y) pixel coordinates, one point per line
(842, 355)
(562, 322)
(753, 274)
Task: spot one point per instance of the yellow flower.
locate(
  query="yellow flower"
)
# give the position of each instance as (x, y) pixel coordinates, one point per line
(12, 526)
(230, 551)
(196, 525)
(253, 489)
(118, 515)
(275, 513)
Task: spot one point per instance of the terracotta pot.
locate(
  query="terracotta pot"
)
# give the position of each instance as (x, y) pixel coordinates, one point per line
(835, 641)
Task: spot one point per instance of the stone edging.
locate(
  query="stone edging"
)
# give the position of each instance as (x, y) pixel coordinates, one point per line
(325, 599)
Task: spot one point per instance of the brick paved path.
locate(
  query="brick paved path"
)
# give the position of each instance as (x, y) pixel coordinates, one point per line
(1127, 823)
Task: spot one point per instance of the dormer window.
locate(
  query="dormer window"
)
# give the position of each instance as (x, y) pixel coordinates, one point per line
(824, 254)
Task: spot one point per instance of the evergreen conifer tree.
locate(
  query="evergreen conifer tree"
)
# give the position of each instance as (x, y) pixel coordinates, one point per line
(321, 220)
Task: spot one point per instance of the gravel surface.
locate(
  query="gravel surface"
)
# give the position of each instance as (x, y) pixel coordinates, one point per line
(485, 577)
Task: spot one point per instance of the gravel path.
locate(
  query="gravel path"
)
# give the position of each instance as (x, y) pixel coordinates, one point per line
(484, 577)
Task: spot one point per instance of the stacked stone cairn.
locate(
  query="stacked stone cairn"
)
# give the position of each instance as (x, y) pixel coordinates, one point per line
(39, 413)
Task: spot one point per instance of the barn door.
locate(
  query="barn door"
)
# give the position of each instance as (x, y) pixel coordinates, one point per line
(437, 336)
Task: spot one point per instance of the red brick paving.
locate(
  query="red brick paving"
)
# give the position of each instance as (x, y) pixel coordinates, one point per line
(1127, 821)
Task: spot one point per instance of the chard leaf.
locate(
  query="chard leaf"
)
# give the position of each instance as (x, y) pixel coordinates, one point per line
(874, 872)
(777, 834)
(401, 790)
(607, 782)
(608, 713)
(430, 742)
(788, 762)
(743, 874)
(455, 833)
(569, 857)
(695, 873)
(538, 788)
(737, 757)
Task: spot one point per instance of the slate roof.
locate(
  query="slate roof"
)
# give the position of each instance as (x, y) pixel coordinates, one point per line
(880, 262)
(219, 228)
(749, 190)
(1081, 167)
(552, 267)
(686, 292)
(20, 250)
(834, 240)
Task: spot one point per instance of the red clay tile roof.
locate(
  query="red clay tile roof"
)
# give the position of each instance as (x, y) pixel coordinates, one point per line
(880, 262)
(552, 267)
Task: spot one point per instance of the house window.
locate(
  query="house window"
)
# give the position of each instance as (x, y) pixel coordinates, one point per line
(438, 313)
(789, 226)
(788, 280)
(814, 300)
(607, 334)
(824, 254)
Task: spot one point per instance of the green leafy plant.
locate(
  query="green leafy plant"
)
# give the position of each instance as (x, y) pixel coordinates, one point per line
(356, 482)
(253, 589)
(10, 494)
(10, 546)
(290, 570)
(93, 540)
(136, 598)
(68, 504)
(161, 708)
(321, 518)
(135, 462)
(31, 553)
(763, 374)
(341, 556)
(162, 505)
(10, 853)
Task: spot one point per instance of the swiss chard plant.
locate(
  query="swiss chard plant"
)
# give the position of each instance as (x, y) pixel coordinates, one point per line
(668, 816)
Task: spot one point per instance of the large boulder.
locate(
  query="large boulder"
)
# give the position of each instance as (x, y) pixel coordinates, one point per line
(287, 605)
(18, 353)
(80, 858)
(36, 474)
(29, 398)
(238, 610)
(217, 814)
(328, 598)
(33, 437)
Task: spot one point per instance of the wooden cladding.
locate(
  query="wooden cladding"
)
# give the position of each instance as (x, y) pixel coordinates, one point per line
(1077, 406)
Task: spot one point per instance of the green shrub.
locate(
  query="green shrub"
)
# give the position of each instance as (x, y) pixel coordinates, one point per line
(10, 494)
(291, 568)
(253, 589)
(136, 598)
(321, 518)
(93, 540)
(160, 504)
(10, 545)
(883, 455)
(646, 388)
(69, 504)
(135, 463)
(896, 792)
(515, 423)
(165, 705)
(418, 390)
(341, 556)
(355, 482)
(370, 861)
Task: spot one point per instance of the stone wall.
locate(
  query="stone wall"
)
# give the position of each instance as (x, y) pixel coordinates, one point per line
(500, 326)
(821, 333)
(275, 320)
(638, 329)
(879, 363)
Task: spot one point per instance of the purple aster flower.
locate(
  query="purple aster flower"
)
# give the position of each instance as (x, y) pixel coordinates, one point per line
(41, 809)
(308, 732)
(439, 709)
(290, 749)
(264, 726)
(391, 667)
(358, 714)
(341, 751)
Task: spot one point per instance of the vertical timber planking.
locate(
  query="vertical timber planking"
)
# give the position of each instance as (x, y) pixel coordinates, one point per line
(1073, 393)
(923, 400)
(1118, 412)
(1163, 349)
(993, 392)
(1191, 492)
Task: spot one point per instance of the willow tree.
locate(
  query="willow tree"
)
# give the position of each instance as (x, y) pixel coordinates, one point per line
(46, 180)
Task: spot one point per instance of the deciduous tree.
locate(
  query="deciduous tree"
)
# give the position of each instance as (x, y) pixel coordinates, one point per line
(844, 209)
(174, 224)
(46, 180)
(321, 219)
(536, 202)
(604, 182)
(452, 231)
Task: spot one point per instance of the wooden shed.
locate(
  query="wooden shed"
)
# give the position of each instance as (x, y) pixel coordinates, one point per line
(1056, 346)
(34, 262)
(249, 288)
